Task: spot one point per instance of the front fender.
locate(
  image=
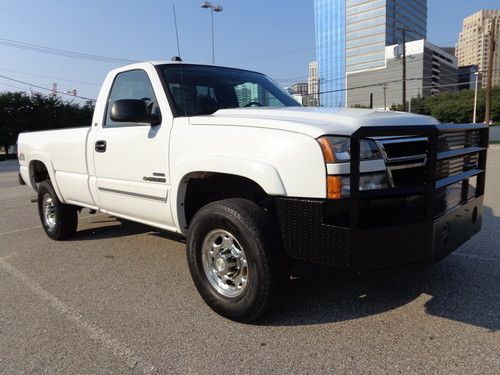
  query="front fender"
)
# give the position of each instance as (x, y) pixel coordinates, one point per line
(259, 171)
(262, 173)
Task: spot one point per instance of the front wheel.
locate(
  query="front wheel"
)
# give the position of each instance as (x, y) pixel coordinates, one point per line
(59, 220)
(235, 259)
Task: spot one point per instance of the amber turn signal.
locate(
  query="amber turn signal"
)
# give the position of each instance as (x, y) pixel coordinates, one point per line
(327, 150)
(333, 187)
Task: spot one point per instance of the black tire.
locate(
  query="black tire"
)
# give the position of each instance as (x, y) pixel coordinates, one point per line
(254, 230)
(66, 216)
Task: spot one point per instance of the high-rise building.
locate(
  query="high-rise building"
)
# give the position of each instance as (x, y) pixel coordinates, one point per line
(351, 36)
(474, 43)
(330, 25)
(313, 85)
(429, 70)
(467, 76)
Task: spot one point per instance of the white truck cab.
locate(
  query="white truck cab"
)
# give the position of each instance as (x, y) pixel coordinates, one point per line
(254, 181)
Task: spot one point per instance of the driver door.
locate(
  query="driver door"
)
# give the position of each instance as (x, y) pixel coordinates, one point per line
(131, 159)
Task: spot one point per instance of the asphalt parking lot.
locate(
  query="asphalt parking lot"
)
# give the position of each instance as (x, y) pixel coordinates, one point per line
(118, 298)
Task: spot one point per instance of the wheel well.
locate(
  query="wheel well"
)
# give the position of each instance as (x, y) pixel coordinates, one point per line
(38, 172)
(203, 188)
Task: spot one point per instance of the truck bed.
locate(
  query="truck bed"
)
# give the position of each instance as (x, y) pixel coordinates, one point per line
(68, 158)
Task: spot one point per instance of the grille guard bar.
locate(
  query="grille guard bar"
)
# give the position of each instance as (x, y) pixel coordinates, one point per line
(429, 190)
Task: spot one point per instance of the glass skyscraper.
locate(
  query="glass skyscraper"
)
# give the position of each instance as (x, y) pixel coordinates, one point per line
(351, 36)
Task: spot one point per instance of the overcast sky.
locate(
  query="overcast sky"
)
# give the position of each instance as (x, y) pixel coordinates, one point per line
(272, 36)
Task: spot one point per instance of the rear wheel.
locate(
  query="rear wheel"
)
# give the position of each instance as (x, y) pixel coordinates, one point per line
(235, 259)
(59, 220)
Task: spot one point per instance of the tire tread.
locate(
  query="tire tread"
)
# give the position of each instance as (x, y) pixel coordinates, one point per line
(260, 227)
(67, 214)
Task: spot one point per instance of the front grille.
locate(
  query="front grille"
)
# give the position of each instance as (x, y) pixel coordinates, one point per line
(455, 141)
(454, 195)
(410, 177)
(407, 164)
(406, 160)
(431, 169)
(404, 148)
(453, 166)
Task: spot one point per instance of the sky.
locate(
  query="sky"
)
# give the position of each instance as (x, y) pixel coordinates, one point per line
(275, 37)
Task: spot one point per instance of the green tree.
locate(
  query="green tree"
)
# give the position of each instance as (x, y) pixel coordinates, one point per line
(455, 107)
(20, 112)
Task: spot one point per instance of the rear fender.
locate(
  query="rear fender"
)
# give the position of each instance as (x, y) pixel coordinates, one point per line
(50, 169)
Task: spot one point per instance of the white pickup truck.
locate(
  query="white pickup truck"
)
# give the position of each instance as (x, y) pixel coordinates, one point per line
(255, 181)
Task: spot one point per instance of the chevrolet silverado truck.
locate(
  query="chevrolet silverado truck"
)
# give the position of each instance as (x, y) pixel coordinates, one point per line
(256, 182)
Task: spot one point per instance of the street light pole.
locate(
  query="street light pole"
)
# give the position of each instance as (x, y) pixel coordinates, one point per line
(475, 98)
(213, 38)
(213, 8)
(403, 30)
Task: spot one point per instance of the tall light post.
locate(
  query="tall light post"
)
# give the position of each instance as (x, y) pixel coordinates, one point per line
(213, 8)
(475, 97)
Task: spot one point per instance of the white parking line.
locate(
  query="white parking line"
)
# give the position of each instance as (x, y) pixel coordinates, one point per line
(96, 333)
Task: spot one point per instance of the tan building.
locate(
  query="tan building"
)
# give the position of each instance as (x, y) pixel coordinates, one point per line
(313, 85)
(300, 88)
(474, 43)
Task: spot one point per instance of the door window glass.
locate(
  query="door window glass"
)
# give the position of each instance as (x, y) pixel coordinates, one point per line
(133, 84)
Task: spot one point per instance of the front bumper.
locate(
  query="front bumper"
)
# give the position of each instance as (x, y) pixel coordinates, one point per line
(396, 226)
(308, 235)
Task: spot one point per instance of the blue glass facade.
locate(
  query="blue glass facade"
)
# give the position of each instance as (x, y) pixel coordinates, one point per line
(330, 51)
(351, 36)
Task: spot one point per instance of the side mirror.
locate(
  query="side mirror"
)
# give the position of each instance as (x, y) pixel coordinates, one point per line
(133, 110)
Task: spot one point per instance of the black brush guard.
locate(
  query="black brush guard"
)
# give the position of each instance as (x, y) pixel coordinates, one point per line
(336, 232)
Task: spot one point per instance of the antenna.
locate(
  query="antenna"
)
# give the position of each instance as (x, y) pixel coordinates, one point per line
(176, 32)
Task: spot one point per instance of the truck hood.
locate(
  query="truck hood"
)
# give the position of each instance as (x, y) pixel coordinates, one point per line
(312, 121)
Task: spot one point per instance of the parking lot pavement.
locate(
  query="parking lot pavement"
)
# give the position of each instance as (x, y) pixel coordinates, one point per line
(118, 298)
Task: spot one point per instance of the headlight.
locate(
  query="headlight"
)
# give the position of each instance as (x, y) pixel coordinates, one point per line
(338, 149)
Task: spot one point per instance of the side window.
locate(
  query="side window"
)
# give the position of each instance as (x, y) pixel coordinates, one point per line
(134, 84)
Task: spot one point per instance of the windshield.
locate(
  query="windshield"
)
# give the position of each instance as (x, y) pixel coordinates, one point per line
(200, 89)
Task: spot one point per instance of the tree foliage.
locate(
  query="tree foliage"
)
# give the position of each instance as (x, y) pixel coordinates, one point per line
(20, 112)
(455, 107)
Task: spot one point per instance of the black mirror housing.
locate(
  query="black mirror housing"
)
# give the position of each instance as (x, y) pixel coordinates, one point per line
(133, 110)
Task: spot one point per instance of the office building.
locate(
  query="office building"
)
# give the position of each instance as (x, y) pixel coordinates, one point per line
(313, 85)
(300, 88)
(429, 71)
(298, 91)
(467, 76)
(351, 36)
(474, 43)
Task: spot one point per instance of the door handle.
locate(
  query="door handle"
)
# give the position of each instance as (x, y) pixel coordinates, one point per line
(100, 146)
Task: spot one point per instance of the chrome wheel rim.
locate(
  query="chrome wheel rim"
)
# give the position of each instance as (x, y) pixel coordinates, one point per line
(49, 211)
(225, 263)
